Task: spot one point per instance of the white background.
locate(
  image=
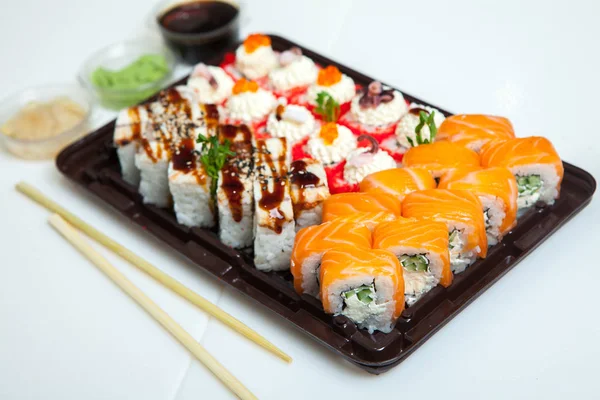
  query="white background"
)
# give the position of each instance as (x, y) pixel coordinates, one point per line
(66, 332)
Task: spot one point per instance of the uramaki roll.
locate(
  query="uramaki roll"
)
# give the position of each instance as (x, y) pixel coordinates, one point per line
(365, 286)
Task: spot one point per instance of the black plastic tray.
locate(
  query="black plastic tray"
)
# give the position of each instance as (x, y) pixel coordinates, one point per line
(92, 162)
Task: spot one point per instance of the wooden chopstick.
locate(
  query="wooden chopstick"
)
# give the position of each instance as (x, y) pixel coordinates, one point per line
(77, 240)
(151, 270)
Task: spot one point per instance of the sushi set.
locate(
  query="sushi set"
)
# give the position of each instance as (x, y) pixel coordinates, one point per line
(365, 217)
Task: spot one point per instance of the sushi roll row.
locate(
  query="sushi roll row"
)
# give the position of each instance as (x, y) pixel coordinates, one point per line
(257, 196)
(156, 145)
(369, 200)
(436, 216)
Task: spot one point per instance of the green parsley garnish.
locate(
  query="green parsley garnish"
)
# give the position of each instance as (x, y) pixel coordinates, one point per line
(213, 156)
(425, 119)
(327, 107)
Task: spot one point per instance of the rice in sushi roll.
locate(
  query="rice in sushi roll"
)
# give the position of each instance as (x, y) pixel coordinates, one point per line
(177, 114)
(475, 130)
(535, 164)
(235, 190)
(308, 190)
(189, 183)
(460, 210)
(274, 227)
(312, 242)
(211, 84)
(255, 58)
(129, 127)
(152, 160)
(496, 188)
(398, 181)
(365, 286)
(422, 249)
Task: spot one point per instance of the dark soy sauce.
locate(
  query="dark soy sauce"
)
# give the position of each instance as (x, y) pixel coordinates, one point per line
(199, 30)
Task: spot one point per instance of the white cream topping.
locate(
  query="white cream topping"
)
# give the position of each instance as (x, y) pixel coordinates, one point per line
(300, 72)
(408, 123)
(251, 106)
(342, 92)
(362, 163)
(384, 114)
(295, 124)
(257, 64)
(334, 152)
(206, 93)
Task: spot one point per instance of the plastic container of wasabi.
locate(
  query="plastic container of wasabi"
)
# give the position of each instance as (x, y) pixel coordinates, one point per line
(127, 73)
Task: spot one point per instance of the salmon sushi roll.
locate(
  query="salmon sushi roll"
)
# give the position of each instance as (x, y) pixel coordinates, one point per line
(460, 210)
(365, 286)
(440, 157)
(368, 219)
(475, 130)
(535, 164)
(496, 188)
(422, 249)
(312, 242)
(362, 207)
(398, 182)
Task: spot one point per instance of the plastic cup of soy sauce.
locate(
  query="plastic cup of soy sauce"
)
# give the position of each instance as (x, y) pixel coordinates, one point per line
(198, 30)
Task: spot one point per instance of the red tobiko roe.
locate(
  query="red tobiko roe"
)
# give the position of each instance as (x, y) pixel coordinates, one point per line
(335, 173)
(228, 59)
(298, 151)
(379, 134)
(335, 179)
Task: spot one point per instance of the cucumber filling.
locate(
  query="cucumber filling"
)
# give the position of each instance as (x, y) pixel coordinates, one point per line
(454, 240)
(360, 305)
(418, 278)
(455, 246)
(418, 262)
(529, 187)
(364, 293)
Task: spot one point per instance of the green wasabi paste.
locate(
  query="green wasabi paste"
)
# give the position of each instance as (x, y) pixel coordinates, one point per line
(118, 88)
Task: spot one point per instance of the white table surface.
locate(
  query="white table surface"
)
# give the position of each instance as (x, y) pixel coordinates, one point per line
(66, 332)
